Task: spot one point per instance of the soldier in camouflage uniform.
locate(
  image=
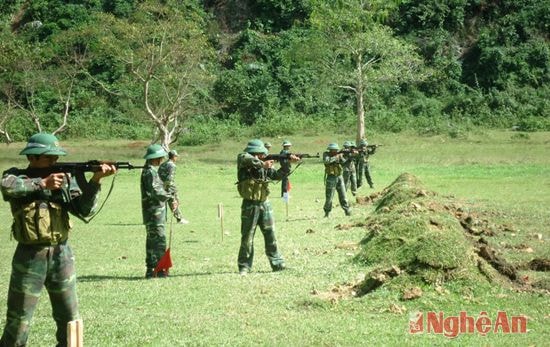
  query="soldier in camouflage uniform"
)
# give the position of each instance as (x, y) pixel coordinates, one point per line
(40, 204)
(285, 166)
(167, 173)
(153, 207)
(333, 179)
(349, 174)
(363, 163)
(254, 176)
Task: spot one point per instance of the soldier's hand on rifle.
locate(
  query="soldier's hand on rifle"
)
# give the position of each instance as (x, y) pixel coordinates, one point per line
(104, 170)
(174, 205)
(268, 164)
(53, 181)
(294, 158)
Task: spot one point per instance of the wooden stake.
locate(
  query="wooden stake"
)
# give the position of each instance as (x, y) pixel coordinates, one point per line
(220, 216)
(75, 333)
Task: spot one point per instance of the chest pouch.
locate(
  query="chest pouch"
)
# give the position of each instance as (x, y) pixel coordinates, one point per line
(41, 222)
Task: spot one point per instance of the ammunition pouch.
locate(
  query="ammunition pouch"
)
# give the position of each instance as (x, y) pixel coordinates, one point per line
(333, 169)
(251, 189)
(41, 222)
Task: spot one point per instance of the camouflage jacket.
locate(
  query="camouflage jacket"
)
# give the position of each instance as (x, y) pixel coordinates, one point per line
(27, 198)
(285, 163)
(167, 174)
(333, 164)
(21, 189)
(153, 197)
(253, 179)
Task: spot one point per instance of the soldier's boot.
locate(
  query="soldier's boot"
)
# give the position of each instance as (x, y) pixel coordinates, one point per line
(326, 214)
(348, 212)
(150, 273)
(279, 267)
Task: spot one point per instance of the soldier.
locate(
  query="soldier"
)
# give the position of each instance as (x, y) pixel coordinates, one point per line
(363, 163)
(285, 166)
(333, 179)
(254, 176)
(153, 206)
(268, 146)
(43, 258)
(167, 173)
(350, 175)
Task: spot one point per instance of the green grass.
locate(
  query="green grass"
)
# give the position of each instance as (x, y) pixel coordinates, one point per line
(205, 302)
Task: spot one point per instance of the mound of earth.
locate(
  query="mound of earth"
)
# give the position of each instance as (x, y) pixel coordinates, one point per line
(416, 236)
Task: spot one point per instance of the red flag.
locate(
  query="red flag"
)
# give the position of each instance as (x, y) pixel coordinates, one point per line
(164, 264)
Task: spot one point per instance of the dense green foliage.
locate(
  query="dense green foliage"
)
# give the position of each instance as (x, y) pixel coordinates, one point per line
(264, 63)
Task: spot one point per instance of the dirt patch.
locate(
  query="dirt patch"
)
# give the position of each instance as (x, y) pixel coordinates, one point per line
(416, 236)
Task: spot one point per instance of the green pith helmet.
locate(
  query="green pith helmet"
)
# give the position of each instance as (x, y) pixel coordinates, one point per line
(155, 151)
(267, 145)
(352, 144)
(286, 143)
(173, 153)
(256, 150)
(346, 144)
(333, 147)
(363, 143)
(43, 143)
(254, 143)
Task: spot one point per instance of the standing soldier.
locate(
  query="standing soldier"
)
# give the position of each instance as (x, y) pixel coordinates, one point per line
(333, 179)
(285, 166)
(153, 208)
(40, 205)
(167, 173)
(254, 176)
(363, 163)
(350, 176)
(268, 146)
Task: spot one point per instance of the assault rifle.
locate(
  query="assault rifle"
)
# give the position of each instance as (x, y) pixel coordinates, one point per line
(73, 167)
(368, 149)
(279, 157)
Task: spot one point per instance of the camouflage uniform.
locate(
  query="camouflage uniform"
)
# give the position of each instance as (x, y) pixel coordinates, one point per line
(256, 210)
(334, 181)
(43, 256)
(349, 174)
(285, 168)
(363, 165)
(153, 207)
(167, 173)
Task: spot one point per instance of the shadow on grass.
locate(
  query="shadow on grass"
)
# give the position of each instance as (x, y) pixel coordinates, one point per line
(99, 278)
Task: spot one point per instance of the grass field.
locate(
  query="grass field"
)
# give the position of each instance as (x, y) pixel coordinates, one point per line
(205, 302)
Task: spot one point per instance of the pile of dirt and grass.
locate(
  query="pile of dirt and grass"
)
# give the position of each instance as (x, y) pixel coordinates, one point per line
(417, 237)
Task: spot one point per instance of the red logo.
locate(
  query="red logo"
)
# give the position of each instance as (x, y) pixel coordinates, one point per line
(452, 326)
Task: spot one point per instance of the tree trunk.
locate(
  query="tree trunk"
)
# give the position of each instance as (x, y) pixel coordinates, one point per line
(360, 108)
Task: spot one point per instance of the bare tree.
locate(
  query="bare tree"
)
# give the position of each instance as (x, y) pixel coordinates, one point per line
(165, 55)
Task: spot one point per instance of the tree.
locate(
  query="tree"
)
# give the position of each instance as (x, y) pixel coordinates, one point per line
(29, 76)
(165, 50)
(360, 53)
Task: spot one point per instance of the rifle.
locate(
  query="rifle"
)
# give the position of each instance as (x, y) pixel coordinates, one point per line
(72, 168)
(279, 157)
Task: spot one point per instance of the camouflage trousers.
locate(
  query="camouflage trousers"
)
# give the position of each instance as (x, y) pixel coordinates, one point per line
(335, 183)
(350, 179)
(363, 168)
(155, 245)
(254, 214)
(35, 267)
